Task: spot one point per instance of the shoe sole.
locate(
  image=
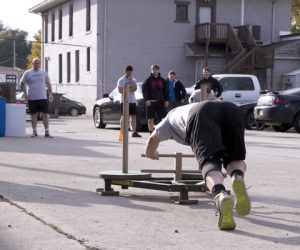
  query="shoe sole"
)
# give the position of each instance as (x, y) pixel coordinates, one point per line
(242, 203)
(226, 221)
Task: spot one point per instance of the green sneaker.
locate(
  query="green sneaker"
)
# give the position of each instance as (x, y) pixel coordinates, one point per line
(224, 205)
(242, 202)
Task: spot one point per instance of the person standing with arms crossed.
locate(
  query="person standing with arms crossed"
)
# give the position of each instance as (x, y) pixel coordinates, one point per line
(128, 79)
(33, 85)
(155, 94)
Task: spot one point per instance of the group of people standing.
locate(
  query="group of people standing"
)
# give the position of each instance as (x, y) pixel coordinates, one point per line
(160, 95)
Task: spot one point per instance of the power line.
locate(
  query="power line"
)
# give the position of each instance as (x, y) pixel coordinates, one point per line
(48, 43)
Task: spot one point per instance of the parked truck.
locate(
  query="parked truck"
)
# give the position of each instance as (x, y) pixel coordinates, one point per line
(242, 90)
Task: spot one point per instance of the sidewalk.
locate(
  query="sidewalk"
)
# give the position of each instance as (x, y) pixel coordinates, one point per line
(48, 186)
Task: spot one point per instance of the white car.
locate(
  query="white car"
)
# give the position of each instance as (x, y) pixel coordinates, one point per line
(242, 90)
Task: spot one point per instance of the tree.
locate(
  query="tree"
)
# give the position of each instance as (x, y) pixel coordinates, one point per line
(22, 48)
(35, 49)
(295, 28)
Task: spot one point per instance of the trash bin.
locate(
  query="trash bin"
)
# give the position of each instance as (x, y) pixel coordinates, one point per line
(54, 106)
(2, 116)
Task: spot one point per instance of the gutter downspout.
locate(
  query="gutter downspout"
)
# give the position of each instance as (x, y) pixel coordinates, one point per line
(242, 12)
(273, 20)
(104, 47)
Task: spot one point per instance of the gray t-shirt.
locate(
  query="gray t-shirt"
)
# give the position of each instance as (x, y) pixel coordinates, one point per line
(36, 81)
(173, 126)
(131, 96)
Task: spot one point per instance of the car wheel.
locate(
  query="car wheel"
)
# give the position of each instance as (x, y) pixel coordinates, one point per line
(251, 123)
(98, 121)
(74, 112)
(297, 123)
(281, 128)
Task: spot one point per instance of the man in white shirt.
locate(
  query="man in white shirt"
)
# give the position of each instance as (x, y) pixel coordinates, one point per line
(33, 84)
(128, 79)
(215, 131)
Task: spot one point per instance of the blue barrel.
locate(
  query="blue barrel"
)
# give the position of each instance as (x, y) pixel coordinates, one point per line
(2, 116)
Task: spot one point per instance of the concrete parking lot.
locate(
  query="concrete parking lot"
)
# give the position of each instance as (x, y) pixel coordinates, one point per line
(48, 198)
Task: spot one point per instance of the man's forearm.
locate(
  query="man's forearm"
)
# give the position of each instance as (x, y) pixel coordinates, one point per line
(152, 145)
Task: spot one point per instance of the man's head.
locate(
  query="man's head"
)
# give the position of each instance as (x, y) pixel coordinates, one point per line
(206, 72)
(172, 75)
(128, 71)
(155, 70)
(36, 64)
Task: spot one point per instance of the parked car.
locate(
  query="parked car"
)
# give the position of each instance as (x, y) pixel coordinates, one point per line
(64, 105)
(279, 109)
(107, 109)
(70, 107)
(242, 90)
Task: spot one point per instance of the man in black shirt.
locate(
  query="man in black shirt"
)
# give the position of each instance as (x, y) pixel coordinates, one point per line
(156, 96)
(209, 81)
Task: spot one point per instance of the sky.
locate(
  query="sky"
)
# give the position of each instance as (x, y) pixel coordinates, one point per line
(14, 14)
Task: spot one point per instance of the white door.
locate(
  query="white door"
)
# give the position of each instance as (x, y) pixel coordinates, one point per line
(204, 15)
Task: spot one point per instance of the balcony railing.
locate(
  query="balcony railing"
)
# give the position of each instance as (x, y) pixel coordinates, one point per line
(221, 33)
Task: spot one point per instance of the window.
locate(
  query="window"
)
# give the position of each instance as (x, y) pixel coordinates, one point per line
(60, 24)
(60, 68)
(68, 67)
(88, 15)
(46, 28)
(46, 64)
(77, 66)
(88, 59)
(182, 12)
(71, 20)
(52, 27)
(237, 83)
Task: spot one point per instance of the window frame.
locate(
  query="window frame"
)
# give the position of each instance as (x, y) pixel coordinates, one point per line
(53, 27)
(77, 65)
(88, 16)
(68, 67)
(182, 4)
(60, 69)
(46, 20)
(88, 59)
(60, 23)
(71, 17)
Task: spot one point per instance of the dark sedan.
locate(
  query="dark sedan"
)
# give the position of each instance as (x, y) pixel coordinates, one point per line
(280, 109)
(107, 109)
(70, 107)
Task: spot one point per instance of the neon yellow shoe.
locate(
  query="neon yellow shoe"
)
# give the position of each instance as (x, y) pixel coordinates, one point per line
(224, 205)
(242, 202)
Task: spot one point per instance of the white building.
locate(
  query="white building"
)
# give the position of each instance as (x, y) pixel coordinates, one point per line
(87, 43)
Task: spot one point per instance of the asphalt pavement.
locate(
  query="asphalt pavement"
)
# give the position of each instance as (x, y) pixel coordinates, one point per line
(48, 196)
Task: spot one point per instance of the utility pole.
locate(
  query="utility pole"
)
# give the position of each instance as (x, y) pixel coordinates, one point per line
(14, 53)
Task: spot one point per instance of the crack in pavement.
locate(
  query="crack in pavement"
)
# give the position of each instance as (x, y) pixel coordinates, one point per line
(54, 227)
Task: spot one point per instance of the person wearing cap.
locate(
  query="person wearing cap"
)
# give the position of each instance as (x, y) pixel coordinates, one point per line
(176, 90)
(214, 130)
(127, 78)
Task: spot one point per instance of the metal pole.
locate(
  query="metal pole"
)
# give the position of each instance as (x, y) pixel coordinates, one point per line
(125, 127)
(14, 54)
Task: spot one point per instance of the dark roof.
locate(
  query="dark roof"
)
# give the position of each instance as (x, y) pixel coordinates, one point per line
(196, 49)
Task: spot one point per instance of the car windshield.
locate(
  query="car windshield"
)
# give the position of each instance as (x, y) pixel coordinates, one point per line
(295, 91)
(114, 93)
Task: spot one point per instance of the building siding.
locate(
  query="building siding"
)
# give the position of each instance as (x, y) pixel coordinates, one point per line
(141, 33)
